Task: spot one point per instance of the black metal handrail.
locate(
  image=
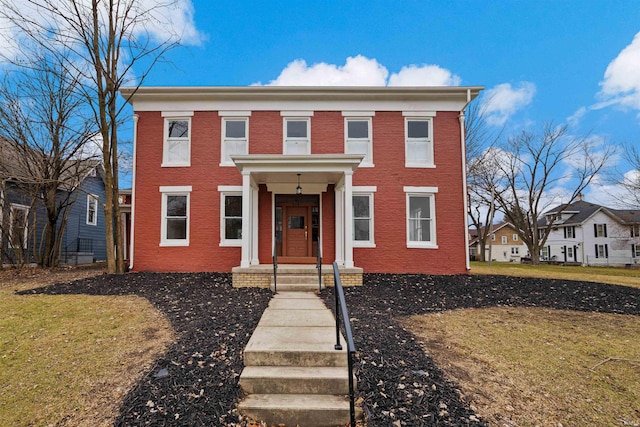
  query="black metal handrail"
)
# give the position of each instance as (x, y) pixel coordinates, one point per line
(319, 266)
(341, 308)
(275, 268)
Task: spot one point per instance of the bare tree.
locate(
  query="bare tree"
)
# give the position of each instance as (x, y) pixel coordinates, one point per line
(629, 180)
(44, 122)
(532, 165)
(481, 170)
(107, 38)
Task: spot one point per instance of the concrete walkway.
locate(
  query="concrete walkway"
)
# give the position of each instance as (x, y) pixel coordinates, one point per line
(293, 375)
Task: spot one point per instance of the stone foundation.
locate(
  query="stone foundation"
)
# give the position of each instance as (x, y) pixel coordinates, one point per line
(261, 276)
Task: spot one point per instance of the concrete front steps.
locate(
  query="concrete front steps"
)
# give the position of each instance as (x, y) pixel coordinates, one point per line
(296, 279)
(293, 375)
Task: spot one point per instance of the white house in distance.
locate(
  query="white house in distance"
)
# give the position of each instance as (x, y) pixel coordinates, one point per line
(589, 234)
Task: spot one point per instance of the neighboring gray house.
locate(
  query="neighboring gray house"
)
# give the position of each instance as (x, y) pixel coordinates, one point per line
(23, 216)
(589, 234)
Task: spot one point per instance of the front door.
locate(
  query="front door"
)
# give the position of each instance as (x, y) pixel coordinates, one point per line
(297, 228)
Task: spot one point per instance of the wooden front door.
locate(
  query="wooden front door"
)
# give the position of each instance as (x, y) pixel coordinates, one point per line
(297, 231)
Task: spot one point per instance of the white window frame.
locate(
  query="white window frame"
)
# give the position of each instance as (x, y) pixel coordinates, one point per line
(504, 240)
(170, 116)
(515, 250)
(515, 237)
(544, 252)
(429, 192)
(635, 230)
(228, 116)
(226, 191)
(368, 192)
(367, 161)
(600, 230)
(18, 207)
(636, 253)
(92, 200)
(569, 252)
(601, 251)
(174, 191)
(422, 117)
(295, 118)
(571, 232)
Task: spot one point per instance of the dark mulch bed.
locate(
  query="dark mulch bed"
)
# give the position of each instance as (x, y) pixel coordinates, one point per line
(399, 384)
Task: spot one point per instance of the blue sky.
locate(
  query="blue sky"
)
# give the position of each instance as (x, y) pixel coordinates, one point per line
(542, 60)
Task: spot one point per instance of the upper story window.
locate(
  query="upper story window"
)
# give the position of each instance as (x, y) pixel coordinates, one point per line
(419, 142)
(358, 138)
(600, 230)
(177, 139)
(570, 232)
(635, 230)
(421, 217)
(504, 240)
(515, 237)
(235, 138)
(92, 209)
(175, 216)
(296, 136)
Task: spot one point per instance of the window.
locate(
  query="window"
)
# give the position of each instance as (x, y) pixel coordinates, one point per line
(569, 252)
(635, 251)
(515, 251)
(177, 139)
(503, 239)
(235, 139)
(418, 143)
(602, 251)
(600, 230)
(358, 139)
(175, 216)
(421, 225)
(363, 217)
(296, 136)
(92, 209)
(569, 232)
(19, 226)
(635, 230)
(515, 237)
(493, 237)
(544, 252)
(231, 215)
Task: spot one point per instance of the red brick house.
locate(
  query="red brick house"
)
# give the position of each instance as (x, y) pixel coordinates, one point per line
(374, 176)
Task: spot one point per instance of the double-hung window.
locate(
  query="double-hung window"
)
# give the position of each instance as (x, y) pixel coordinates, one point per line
(358, 138)
(235, 136)
(635, 251)
(363, 217)
(421, 217)
(635, 230)
(419, 142)
(230, 215)
(175, 216)
(503, 240)
(19, 226)
(570, 232)
(600, 230)
(177, 139)
(515, 250)
(92, 209)
(297, 135)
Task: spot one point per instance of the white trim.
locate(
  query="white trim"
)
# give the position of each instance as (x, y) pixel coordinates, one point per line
(15, 207)
(365, 188)
(92, 198)
(366, 163)
(234, 113)
(298, 113)
(415, 192)
(185, 140)
(228, 191)
(133, 189)
(371, 243)
(177, 114)
(296, 139)
(358, 113)
(429, 141)
(419, 114)
(408, 189)
(174, 191)
(224, 138)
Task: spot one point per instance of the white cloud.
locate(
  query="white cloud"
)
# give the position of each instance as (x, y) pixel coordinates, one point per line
(575, 119)
(424, 75)
(357, 71)
(621, 84)
(362, 71)
(503, 101)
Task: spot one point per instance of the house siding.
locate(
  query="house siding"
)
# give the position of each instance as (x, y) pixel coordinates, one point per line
(389, 175)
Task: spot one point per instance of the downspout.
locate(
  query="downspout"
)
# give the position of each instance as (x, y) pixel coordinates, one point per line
(463, 147)
(133, 191)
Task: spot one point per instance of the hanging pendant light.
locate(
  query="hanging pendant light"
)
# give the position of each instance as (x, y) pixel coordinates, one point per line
(298, 188)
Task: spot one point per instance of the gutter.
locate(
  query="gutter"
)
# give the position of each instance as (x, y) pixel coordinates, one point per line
(463, 149)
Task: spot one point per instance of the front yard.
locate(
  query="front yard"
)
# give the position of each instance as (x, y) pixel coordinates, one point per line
(166, 349)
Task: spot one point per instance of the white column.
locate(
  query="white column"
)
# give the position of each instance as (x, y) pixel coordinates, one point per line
(339, 214)
(245, 260)
(254, 229)
(348, 220)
